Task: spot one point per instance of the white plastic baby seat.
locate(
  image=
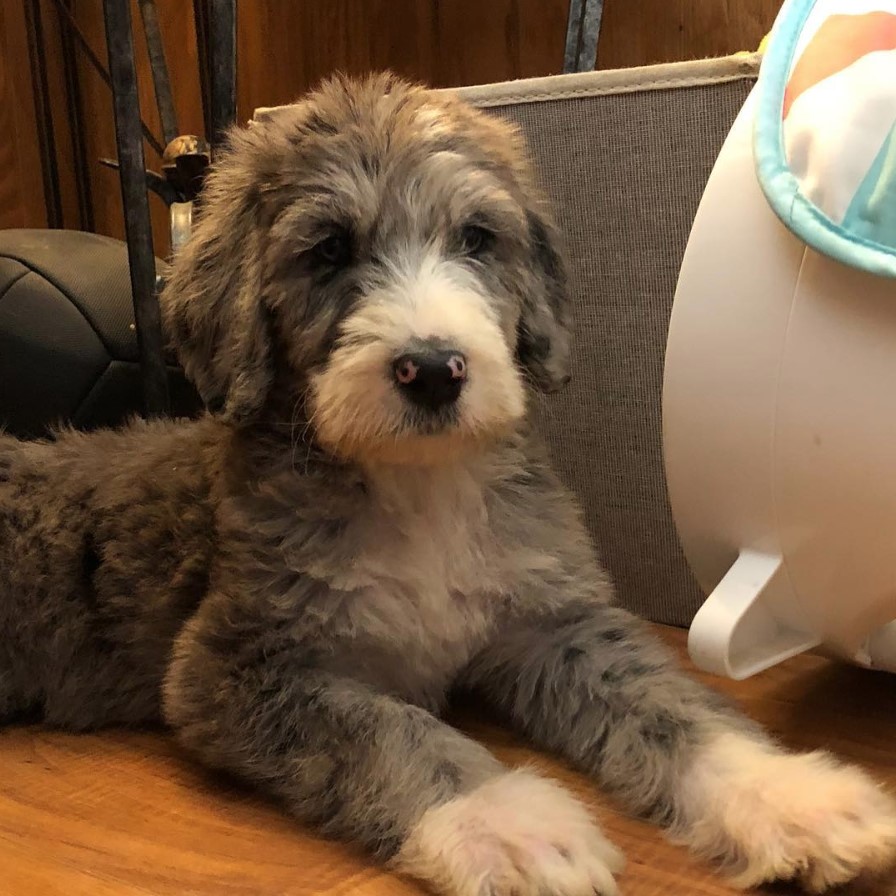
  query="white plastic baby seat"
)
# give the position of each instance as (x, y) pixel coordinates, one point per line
(780, 434)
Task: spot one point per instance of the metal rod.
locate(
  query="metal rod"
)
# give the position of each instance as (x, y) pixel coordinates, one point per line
(200, 16)
(43, 113)
(160, 78)
(573, 36)
(222, 57)
(75, 125)
(591, 21)
(582, 35)
(84, 44)
(138, 225)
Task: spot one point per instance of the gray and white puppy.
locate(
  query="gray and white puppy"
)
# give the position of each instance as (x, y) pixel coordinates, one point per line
(295, 583)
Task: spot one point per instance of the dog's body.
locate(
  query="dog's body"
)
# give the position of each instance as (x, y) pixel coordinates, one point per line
(295, 584)
(113, 540)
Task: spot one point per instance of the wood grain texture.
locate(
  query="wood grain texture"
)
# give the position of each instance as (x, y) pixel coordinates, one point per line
(286, 47)
(119, 813)
(21, 187)
(651, 31)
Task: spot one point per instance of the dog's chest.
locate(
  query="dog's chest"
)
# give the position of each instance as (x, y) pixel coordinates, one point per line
(423, 567)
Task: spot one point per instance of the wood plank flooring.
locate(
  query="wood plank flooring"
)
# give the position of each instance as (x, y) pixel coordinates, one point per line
(116, 814)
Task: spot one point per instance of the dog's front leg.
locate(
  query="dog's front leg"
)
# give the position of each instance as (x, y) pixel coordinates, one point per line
(592, 684)
(366, 767)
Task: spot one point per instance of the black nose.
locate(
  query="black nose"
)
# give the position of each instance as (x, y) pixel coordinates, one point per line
(430, 379)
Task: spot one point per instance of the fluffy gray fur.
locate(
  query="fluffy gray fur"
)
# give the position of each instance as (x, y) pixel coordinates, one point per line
(297, 608)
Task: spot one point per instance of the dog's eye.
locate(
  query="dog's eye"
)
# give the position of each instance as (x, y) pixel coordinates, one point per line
(334, 250)
(476, 239)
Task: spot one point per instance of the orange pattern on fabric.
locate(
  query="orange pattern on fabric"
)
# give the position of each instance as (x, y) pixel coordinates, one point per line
(839, 42)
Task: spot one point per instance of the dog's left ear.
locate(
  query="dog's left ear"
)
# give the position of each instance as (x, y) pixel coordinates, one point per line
(544, 338)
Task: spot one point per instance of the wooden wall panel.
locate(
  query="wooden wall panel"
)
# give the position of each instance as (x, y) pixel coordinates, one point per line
(21, 186)
(482, 42)
(642, 32)
(286, 46)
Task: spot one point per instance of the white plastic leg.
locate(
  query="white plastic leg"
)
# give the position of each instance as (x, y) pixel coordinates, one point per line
(879, 651)
(739, 630)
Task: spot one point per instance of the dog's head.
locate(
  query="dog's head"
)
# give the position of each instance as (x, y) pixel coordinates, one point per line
(379, 256)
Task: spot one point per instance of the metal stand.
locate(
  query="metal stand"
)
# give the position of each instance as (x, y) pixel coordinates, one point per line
(160, 81)
(43, 113)
(75, 108)
(216, 36)
(138, 225)
(184, 158)
(582, 33)
(222, 67)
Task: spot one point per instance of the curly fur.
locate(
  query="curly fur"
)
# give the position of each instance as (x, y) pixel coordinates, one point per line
(295, 582)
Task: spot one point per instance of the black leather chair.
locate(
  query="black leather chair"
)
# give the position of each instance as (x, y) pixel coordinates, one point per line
(68, 347)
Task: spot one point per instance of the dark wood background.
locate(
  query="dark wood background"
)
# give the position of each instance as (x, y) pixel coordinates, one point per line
(285, 46)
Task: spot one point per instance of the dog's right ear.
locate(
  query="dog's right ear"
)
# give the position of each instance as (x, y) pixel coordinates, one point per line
(544, 338)
(213, 302)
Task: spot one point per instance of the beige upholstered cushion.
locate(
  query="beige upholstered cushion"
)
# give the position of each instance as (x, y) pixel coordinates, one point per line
(625, 156)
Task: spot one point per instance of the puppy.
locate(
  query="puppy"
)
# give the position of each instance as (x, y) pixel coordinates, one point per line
(295, 582)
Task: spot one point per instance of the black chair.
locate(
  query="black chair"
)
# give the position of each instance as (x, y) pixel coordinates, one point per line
(68, 342)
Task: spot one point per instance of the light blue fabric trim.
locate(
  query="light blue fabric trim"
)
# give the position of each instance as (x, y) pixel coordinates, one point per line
(780, 186)
(872, 212)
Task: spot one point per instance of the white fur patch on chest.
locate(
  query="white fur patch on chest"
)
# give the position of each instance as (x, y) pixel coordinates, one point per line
(429, 526)
(424, 566)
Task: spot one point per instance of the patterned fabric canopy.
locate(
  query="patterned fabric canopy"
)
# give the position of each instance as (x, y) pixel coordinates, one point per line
(825, 138)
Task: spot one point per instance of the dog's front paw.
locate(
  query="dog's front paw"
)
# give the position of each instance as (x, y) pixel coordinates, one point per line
(769, 815)
(517, 835)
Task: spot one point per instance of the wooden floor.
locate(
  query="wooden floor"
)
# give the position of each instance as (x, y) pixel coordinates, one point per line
(123, 813)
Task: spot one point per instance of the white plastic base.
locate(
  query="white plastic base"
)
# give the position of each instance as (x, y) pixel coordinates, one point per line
(739, 630)
(780, 435)
(879, 651)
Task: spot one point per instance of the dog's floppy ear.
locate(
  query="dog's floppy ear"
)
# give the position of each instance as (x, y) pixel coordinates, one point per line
(544, 339)
(212, 304)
